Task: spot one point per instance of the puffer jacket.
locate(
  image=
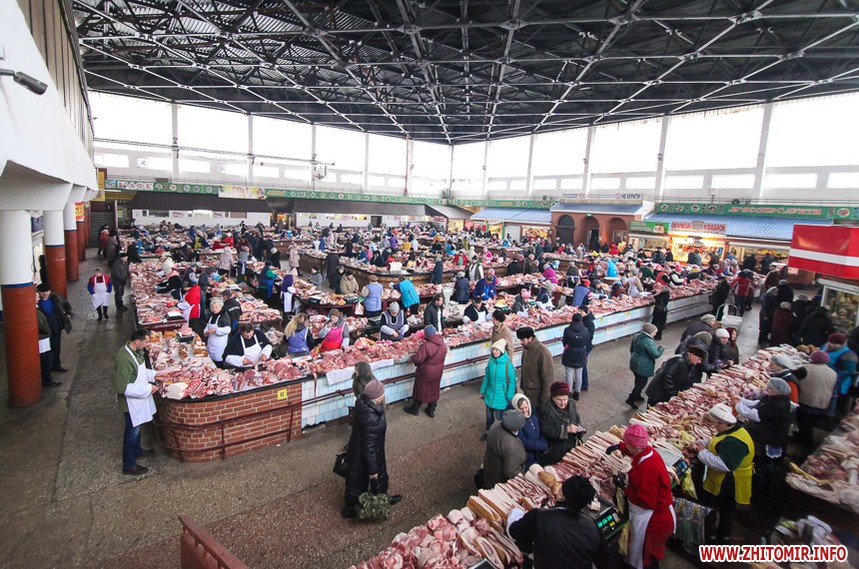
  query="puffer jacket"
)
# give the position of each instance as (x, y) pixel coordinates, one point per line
(504, 457)
(499, 382)
(534, 442)
(409, 294)
(553, 427)
(576, 342)
(671, 378)
(366, 451)
(643, 354)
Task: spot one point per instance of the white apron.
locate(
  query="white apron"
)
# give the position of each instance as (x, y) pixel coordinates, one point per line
(638, 519)
(138, 395)
(253, 352)
(100, 296)
(216, 343)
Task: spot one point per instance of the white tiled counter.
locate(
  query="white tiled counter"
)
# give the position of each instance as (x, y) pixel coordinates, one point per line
(323, 402)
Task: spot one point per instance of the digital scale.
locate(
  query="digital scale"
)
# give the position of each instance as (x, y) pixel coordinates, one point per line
(673, 459)
(608, 519)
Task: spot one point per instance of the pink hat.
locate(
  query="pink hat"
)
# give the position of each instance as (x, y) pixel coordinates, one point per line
(819, 357)
(635, 435)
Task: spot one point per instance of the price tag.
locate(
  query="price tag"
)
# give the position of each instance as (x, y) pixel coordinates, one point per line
(486, 345)
(282, 394)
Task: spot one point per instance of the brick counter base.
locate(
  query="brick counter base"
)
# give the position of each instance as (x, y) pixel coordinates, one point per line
(205, 430)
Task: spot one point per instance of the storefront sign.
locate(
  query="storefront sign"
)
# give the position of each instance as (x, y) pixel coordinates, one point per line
(578, 196)
(761, 210)
(134, 185)
(655, 227)
(531, 204)
(241, 192)
(698, 226)
(80, 215)
(629, 197)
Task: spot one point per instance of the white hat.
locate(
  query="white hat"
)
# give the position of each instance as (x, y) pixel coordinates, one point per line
(723, 414)
(722, 333)
(500, 345)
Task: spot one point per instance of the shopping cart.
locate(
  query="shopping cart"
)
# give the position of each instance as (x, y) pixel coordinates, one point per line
(729, 320)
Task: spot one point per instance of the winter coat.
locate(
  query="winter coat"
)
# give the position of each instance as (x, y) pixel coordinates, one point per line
(499, 382)
(672, 378)
(500, 331)
(437, 273)
(409, 295)
(576, 341)
(348, 285)
(775, 418)
(434, 315)
(562, 539)
(695, 327)
(538, 372)
(719, 352)
(643, 354)
(332, 261)
(553, 427)
(429, 367)
(119, 272)
(365, 453)
(461, 290)
(816, 328)
(589, 322)
(782, 327)
(816, 388)
(504, 457)
(535, 444)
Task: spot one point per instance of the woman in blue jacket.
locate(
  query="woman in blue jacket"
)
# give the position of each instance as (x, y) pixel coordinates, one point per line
(409, 295)
(499, 383)
(532, 440)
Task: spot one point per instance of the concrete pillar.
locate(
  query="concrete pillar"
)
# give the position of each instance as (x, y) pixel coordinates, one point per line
(55, 251)
(72, 236)
(484, 188)
(761, 165)
(365, 179)
(19, 310)
(586, 174)
(174, 130)
(529, 171)
(660, 158)
(250, 176)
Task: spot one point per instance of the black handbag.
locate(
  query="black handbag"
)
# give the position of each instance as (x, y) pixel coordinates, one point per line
(341, 465)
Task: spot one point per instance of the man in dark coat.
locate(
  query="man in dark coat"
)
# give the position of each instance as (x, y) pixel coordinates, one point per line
(514, 268)
(461, 288)
(576, 340)
(434, 313)
(705, 324)
(429, 367)
(768, 306)
(816, 327)
(332, 261)
(562, 537)
(58, 311)
(119, 277)
(365, 454)
(673, 376)
(505, 454)
(538, 373)
(660, 309)
(437, 272)
(720, 295)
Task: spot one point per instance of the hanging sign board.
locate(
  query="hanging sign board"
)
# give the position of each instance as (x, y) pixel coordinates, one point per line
(827, 249)
(80, 215)
(654, 227)
(698, 226)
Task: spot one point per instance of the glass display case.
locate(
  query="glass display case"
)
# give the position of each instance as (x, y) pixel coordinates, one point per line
(843, 302)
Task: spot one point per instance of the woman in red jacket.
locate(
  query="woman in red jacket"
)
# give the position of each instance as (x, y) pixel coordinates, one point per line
(193, 297)
(648, 490)
(429, 363)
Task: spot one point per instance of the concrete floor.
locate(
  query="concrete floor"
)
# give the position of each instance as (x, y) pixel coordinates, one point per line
(65, 503)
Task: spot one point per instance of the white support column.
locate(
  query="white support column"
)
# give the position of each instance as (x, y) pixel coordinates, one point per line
(174, 129)
(586, 175)
(450, 170)
(313, 156)
(761, 165)
(529, 173)
(660, 158)
(250, 176)
(485, 186)
(409, 149)
(365, 181)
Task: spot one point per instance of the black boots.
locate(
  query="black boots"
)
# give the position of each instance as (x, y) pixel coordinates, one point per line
(102, 312)
(414, 408)
(430, 410)
(98, 309)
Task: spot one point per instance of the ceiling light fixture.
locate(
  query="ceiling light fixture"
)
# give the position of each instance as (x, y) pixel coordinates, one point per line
(30, 83)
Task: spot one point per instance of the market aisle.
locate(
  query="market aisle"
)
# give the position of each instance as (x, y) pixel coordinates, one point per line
(65, 502)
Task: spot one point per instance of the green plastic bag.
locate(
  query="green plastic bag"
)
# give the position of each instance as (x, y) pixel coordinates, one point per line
(373, 507)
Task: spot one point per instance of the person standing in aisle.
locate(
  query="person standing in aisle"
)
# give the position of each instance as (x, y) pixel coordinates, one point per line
(499, 383)
(100, 287)
(535, 444)
(367, 463)
(562, 537)
(674, 375)
(575, 355)
(589, 322)
(817, 384)
(59, 313)
(660, 309)
(642, 362)
(134, 389)
(560, 423)
(45, 348)
(119, 278)
(538, 370)
(728, 458)
(429, 367)
(500, 331)
(505, 456)
(651, 505)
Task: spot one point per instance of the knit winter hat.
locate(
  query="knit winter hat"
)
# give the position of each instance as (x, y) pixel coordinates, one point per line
(697, 351)
(819, 357)
(429, 330)
(518, 398)
(578, 492)
(650, 329)
(499, 345)
(836, 339)
(708, 318)
(374, 389)
(513, 420)
(722, 333)
(635, 435)
(559, 388)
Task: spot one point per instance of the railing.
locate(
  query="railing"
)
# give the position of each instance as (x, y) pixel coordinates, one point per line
(199, 550)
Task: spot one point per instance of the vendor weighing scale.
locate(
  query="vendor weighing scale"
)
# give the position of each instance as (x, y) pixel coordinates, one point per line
(608, 519)
(674, 460)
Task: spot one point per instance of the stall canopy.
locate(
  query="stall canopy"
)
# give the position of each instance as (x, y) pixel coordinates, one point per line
(305, 205)
(448, 211)
(765, 229)
(522, 216)
(832, 250)
(618, 209)
(189, 202)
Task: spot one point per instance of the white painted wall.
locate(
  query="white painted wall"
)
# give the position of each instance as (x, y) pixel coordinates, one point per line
(251, 219)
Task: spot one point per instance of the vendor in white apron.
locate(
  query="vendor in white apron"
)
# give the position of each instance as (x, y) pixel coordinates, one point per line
(247, 348)
(648, 492)
(100, 287)
(134, 388)
(217, 331)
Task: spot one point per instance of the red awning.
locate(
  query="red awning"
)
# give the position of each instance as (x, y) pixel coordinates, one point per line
(830, 250)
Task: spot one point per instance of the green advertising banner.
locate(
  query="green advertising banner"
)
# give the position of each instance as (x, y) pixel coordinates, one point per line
(654, 227)
(761, 210)
(532, 204)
